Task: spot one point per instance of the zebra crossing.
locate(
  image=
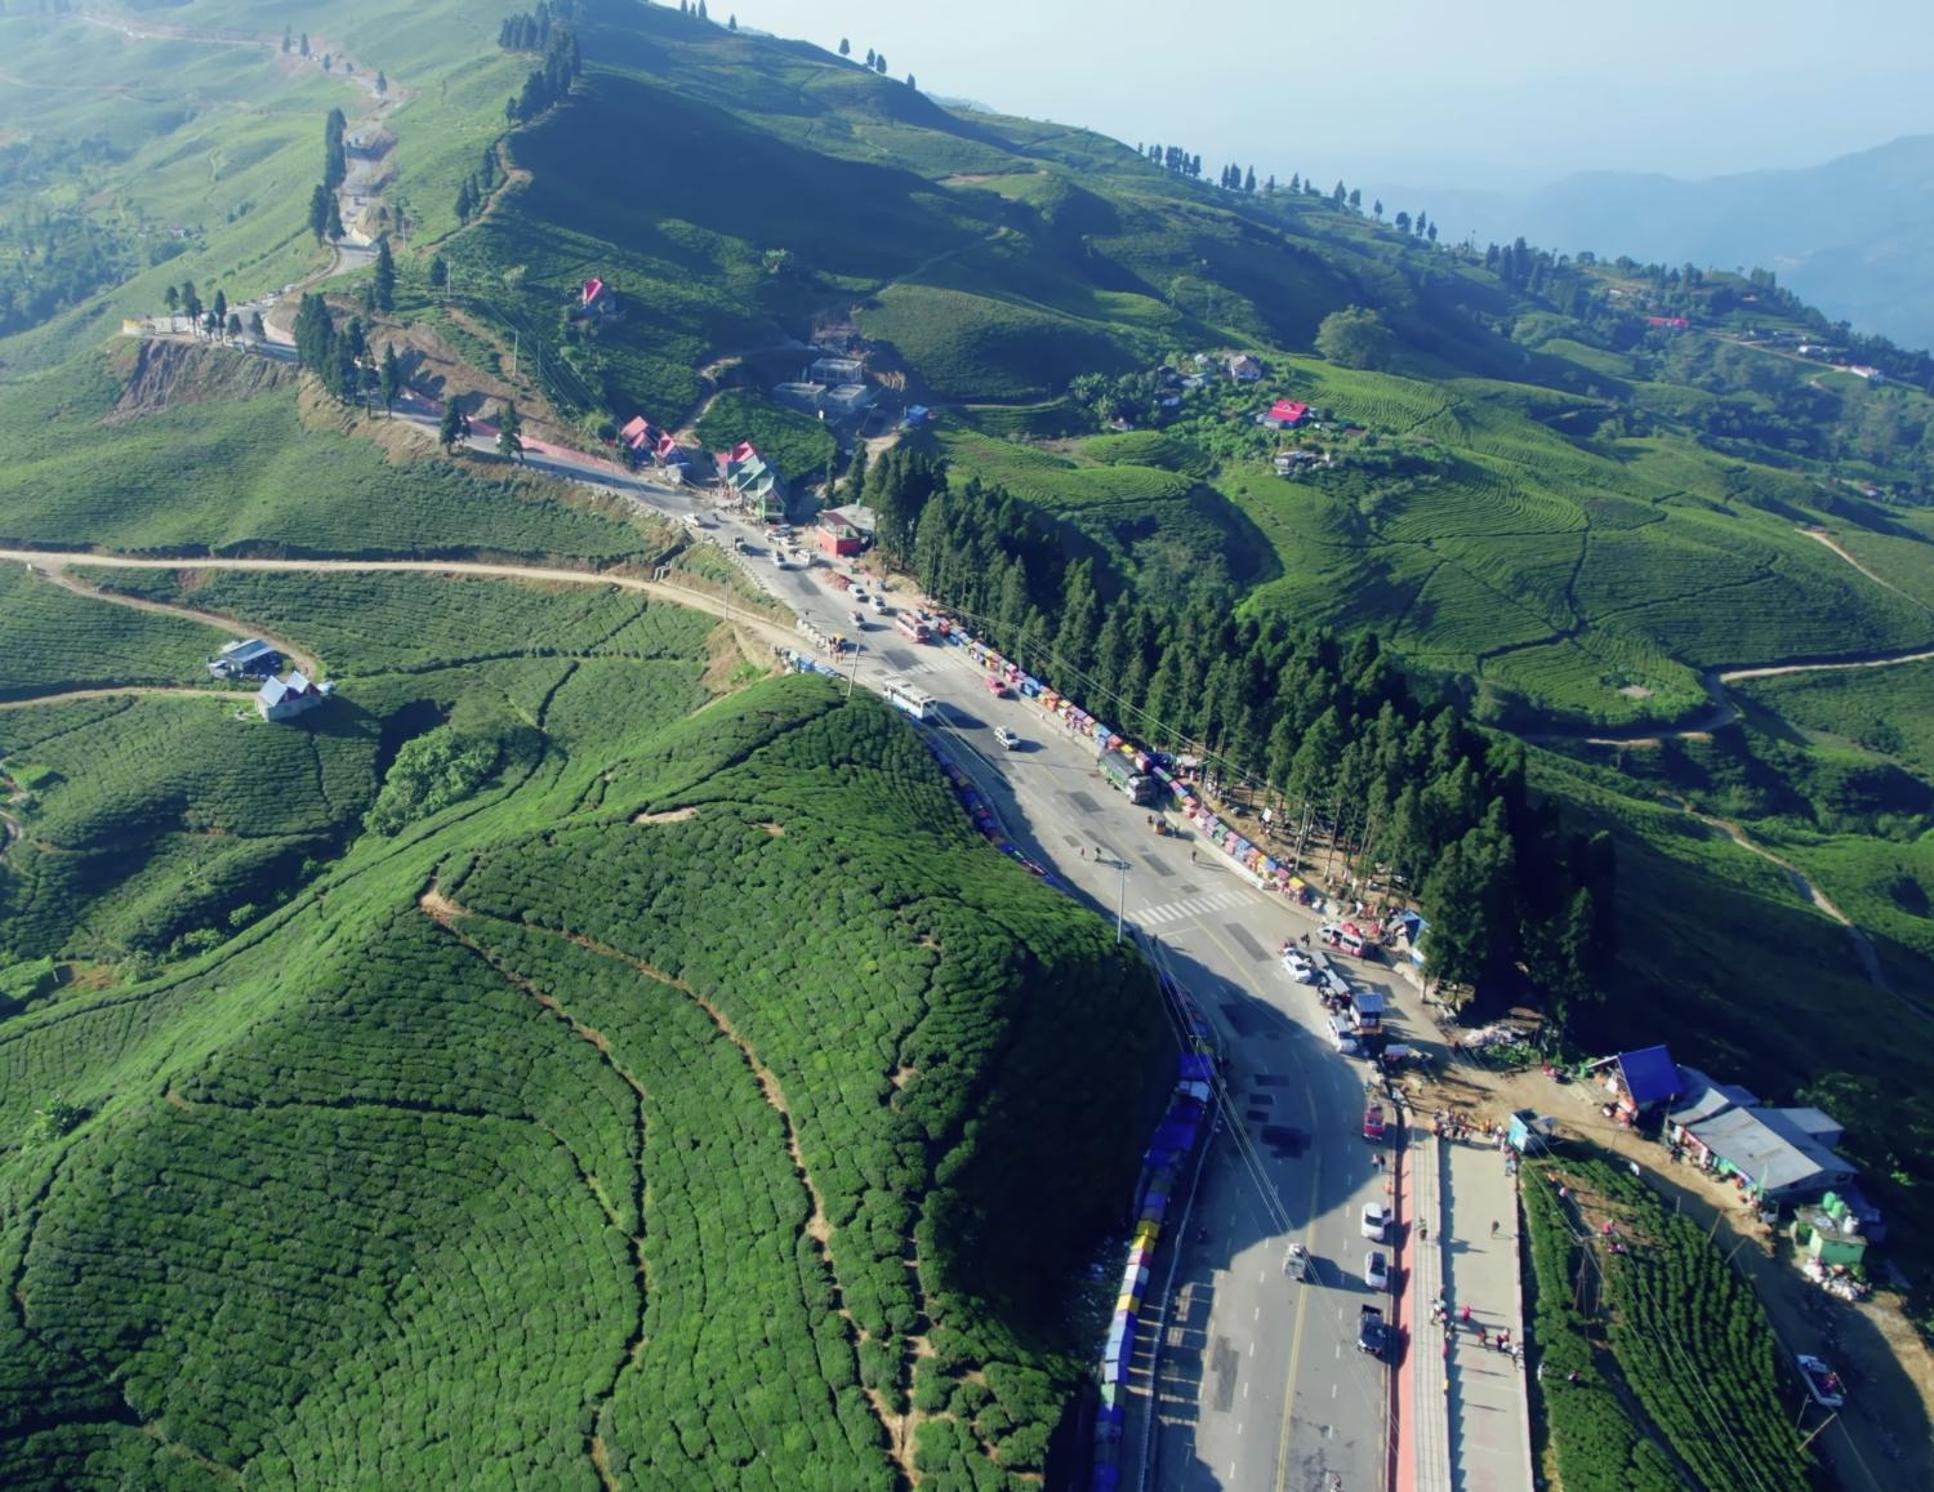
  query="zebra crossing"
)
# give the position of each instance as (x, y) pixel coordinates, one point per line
(1191, 906)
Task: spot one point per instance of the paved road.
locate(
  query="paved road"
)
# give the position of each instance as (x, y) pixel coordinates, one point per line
(1262, 1386)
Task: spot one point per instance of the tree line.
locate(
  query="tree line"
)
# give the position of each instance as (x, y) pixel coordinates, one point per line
(530, 31)
(341, 358)
(214, 319)
(550, 81)
(476, 188)
(1328, 729)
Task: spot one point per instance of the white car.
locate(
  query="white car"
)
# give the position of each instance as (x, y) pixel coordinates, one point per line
(1376, 1270)
(1376, 1221)
(1009, 741)
(1297, 965)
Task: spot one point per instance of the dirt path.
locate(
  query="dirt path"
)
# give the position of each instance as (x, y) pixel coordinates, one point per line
(308, 662)
(658, 590)
(67, 696)
(1821, 536)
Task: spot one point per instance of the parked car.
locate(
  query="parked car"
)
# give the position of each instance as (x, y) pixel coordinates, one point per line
(1297, 965)
(1006, 737)
(1376, 1221)
(1370, 1331)
(1376, 1270)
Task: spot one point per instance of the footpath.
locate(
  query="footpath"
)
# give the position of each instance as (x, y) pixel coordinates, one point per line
(1474, 1412)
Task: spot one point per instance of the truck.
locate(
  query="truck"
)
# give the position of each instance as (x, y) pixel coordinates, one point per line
(1122, 775)
(1371, 1333)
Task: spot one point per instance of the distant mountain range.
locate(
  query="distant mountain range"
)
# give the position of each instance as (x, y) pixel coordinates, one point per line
(1854, 236)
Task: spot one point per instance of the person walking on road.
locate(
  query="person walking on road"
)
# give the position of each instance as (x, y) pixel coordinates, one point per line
(1494, 1228)
(1465, 1315)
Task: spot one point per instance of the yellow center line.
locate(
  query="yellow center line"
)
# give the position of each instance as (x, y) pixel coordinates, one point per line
(1302, 1296)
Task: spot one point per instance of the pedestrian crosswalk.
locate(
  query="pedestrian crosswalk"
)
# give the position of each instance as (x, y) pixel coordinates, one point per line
(1191, 906)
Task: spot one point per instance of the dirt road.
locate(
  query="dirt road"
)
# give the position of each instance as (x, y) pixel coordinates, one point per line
(675, 595)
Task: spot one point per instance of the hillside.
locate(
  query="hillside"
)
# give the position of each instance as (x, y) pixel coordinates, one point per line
(539, 1027)
(1849, 234)
(633, 1065)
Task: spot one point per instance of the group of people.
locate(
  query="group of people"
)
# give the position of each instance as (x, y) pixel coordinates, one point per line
(1499, 1340)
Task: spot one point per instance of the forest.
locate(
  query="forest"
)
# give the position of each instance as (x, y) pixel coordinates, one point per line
(1328, 729)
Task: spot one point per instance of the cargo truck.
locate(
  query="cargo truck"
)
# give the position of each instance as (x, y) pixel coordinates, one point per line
(1122, 775)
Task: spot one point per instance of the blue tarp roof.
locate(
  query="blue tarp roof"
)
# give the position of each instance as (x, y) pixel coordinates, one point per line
(1195, 1066)
(1650, 1075)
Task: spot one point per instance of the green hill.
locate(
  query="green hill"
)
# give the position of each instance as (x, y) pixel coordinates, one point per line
(788, 1146)
(680, 1089)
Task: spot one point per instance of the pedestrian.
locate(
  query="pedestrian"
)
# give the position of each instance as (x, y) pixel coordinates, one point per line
(1467, 1315)
(1191, 857)
(1483, 1337)
(1423, 1230)
(1494, 1228)
(1084, 852)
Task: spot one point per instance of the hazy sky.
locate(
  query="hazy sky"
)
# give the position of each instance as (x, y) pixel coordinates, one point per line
(1487, 92)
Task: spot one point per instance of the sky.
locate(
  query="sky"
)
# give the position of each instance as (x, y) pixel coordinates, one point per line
(1490, 93)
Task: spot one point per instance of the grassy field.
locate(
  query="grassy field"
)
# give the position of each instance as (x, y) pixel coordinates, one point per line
(1888, 711)
(254, 472)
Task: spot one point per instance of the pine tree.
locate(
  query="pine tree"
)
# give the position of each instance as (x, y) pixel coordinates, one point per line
(333, 227)
(321, 204)
(1249, 180)
(1296, 184)
(452, 427)
(845, 47)
(439, 272)
(383, 279)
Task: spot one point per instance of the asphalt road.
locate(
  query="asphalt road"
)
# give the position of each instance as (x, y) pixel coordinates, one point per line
(1261, 1385)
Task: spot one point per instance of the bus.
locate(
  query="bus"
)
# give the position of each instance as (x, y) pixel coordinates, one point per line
(916, 702)
(911, 628)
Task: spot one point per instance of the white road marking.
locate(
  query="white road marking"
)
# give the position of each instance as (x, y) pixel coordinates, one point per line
(1191, 906)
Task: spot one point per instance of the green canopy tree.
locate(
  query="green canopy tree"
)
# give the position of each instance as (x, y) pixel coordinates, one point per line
(1355, 337)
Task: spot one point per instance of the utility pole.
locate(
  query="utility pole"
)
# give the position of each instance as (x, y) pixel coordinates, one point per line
(853, 677)
(514, 335)
(1121, 894)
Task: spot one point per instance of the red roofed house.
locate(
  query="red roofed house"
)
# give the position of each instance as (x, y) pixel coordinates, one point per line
(597, 300)
(636, 433)
(1670, 323)
(1286, 414)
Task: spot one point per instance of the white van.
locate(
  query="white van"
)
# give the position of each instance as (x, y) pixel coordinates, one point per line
(1342, 1037)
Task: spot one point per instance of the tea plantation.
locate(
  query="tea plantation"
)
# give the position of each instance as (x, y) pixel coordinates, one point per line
(709, 1116)
(1661, 1320)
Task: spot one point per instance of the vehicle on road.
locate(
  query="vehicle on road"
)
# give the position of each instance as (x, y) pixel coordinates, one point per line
(1297, 965)
(997, 686)
(915, 702)
(1371, 1334)
(909, 627)
(1376, 1221)
(1376, 1270)
(1825, 1385)
(1009, 741)
(1373, 1123)
(1343, 1037)
(859, 618)
(878, 603)
(1123, 777)
(1296, 1262)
